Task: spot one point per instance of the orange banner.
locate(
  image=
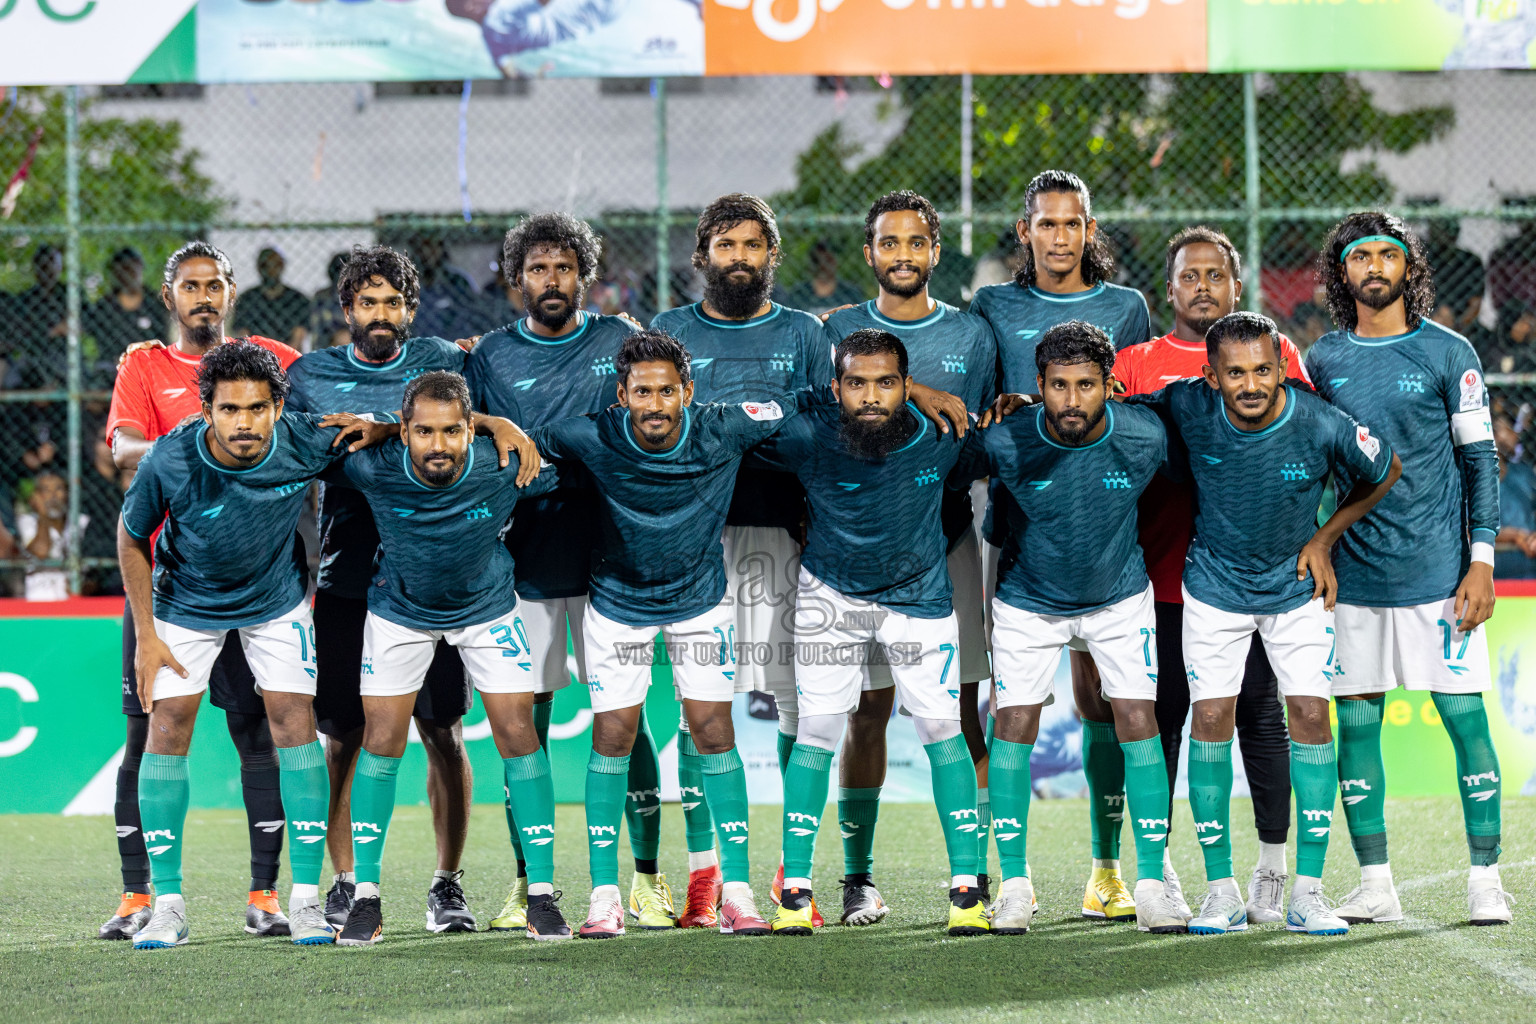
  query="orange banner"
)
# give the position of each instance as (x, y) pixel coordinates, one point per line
(929, 37)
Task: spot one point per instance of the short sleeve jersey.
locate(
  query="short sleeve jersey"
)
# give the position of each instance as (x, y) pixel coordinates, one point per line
(534, 381)
(1071, 546)
(226, 557)
(1257, 492)
(157, 388)
(875, 529)
(335, 379)
(659, 558)
(755, 360)
(1167, 516)
(442, 563)
(1412, 547)
(1019, 315)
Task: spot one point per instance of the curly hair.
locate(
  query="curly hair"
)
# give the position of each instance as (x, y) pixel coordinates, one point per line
(905, 199)
(239, 360)
(727, 212)
(870, 341)
(1418, 290)
(1098, 263)
(1197, 235)
(557, 231)
(652, 346)
(378, 261)
(1073, 342)
(198, 250)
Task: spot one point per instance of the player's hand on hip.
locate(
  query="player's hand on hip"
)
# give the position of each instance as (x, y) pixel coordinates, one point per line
(362, 431)
(139, 346)
(1314, 560)
(943, 408)
(153, 655)
(1474, 598)
(1005, 405)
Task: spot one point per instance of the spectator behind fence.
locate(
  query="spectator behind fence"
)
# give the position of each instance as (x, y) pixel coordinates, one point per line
(503, 302)
(45, 536)
(825, 290)
(123, 316)
(1459, 278)
(1515, 557)
(38, 352)
(1512, 269)
(1511, 348)
(327, 327)
(273, 309)
(451, 305)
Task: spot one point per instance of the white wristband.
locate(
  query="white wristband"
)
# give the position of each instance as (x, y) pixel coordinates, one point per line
(1482, 551)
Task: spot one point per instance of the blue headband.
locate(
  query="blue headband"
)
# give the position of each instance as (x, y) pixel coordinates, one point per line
(1357, 243)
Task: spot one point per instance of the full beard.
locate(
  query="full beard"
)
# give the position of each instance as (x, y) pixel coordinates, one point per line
(553, 321)
(907, 290)
(373, 348)
(1074, 430)
(1380, 300)
(873, 442)
(439, 477)
(737, 300)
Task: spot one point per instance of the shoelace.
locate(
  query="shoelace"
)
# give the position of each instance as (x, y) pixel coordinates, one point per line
(167, 919)
(450, 894)
(744, 906)
(701, 891)
(1013, 902)
(1315, 895)
(1269, 886)
(1213, 903)
(547, 907)
(1481, 897)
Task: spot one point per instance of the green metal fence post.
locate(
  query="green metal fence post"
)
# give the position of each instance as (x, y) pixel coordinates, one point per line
(663, 258)
(72, 533)
(1255, 254)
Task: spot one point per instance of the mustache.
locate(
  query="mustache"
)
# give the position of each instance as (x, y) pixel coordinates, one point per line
(431, 456)
(1252, 396)
(244, 437)
(200, 310)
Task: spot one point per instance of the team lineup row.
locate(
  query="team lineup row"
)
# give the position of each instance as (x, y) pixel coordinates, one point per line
(742, 426)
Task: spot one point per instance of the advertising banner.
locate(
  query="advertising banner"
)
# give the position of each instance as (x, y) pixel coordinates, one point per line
(61, 731)
(86, 42)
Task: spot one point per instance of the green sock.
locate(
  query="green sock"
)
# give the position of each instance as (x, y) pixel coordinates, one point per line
(1315, 781)
(373, 804)
(1146, 795)
(532, 795)
(725, 785)
(786, 744)
(164, 792)
(1363, 777)
(306, 792)
(698, 827)
(541, 715)
(954, 797)
(1104, 767)
(1210, 801)
(512, 833)
(857, 812)
(983, 827)
(1477, 772)
(606, 777)
(805, 801)
(1009, 780)
(642, 803)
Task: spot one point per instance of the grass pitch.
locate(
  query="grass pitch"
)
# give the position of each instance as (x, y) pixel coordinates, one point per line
(58, 882)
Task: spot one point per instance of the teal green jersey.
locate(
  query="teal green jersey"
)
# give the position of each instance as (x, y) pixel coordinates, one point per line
(659, 557)
(534, 381)
(1071, 546)
(875, 528)
(334, 379)
(1019, 315)
(1257, 492)
(755, 360)
(226, 556)
(442, 563)
(1423, 392)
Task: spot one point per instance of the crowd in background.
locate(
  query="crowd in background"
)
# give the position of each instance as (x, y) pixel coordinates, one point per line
(1493, 304)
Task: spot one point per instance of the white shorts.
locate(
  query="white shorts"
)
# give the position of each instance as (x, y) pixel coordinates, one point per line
(498, 656)
(1417, 648)
(762, 564)
(1299, 644)
(965, 577)
(1027, 646)
(546, 620)
(281, 654)
(619, 658)
(833, 635)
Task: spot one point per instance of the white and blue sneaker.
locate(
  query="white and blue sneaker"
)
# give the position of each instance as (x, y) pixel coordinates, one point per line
(167, 926)
(1222, 911)
(1309, 912)
(308, 924)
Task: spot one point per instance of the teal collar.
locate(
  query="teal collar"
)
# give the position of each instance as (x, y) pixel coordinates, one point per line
(905, 325)
(682, 437)
(1390, 339)
(388, 364)
(202, 449)
(736, 325)
(1074, 297)
(1290, 407)
(582, 315)
(1045, 435)
(410, 471)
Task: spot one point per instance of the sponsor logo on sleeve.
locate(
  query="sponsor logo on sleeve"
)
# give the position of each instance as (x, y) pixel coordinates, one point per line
(1471, 391)
(1366, 443)
(763, 410)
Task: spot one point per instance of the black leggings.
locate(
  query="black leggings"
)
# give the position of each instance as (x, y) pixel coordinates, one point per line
(1262, 737)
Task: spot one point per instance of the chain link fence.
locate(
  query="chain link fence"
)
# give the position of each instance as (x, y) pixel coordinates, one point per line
(286, 178)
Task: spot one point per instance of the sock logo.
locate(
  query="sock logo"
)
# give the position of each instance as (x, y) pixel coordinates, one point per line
(1151, 823)
(1472, 781)
(158, 833)
(848, 828)
(593, 831)
(1203, 826)
(124, 831)
(268, 826)
(800, 830)
(686, 791)
(1318, 815)
(532, 831)
(644, 796)
(1345, 785)
(358, 826)
(734, 826)
(306, 826)
(1115, 800)
(960, 816)
(998, 824)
